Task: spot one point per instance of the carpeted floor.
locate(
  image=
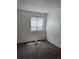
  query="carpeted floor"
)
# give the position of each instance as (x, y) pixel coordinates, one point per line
(41, 50)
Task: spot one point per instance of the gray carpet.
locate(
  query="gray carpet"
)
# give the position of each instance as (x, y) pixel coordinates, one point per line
(42, 50)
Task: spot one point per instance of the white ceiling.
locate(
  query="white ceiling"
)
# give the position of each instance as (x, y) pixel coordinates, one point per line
(39, 5)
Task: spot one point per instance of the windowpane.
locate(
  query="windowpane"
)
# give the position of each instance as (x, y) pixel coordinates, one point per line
(40, 29)
(36, 24)
(33, 21)
(40, 23)
(33, 29)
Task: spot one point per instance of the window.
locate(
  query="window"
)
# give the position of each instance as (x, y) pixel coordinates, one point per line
(37, 23)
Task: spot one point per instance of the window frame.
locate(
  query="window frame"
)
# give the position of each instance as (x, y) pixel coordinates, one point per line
(37, 23)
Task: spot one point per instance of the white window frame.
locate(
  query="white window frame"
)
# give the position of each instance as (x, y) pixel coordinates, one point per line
(37, 26)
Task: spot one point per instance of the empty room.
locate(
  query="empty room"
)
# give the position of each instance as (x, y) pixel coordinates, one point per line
(38, 29)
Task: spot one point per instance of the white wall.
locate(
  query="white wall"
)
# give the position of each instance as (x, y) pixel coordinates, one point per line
(54, 27)
(24, 33)
(38, 5)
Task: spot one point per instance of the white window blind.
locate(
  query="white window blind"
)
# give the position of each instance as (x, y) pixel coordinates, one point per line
(37, 23)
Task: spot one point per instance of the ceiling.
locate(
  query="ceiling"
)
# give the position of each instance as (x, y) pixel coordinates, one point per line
(39, 5)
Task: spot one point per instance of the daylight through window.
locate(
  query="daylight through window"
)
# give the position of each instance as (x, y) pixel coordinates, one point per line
(37, 23)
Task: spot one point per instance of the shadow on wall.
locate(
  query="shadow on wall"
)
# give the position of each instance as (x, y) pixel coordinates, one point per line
(54, 27)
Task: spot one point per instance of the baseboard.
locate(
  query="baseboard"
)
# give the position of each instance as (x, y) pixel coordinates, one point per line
(54, 44)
